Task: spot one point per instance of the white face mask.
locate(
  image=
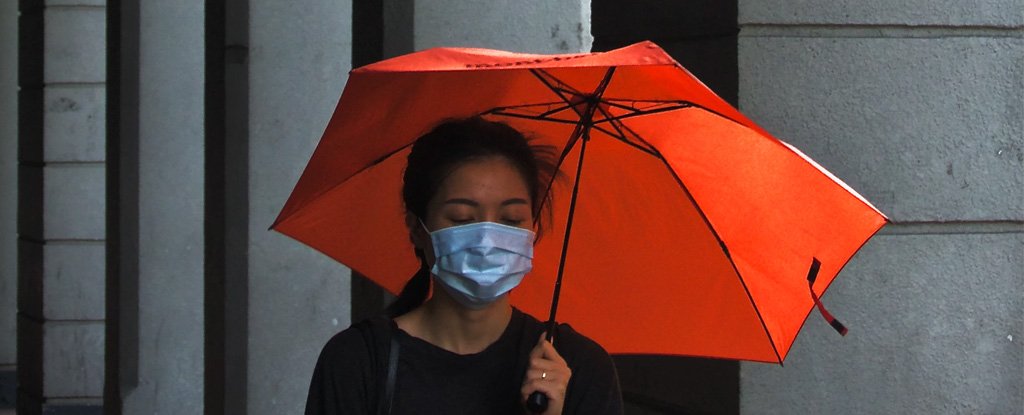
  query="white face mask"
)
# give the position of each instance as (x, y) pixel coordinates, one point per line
(479, 262)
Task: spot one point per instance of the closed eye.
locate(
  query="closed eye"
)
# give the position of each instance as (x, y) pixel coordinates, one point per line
(513, 222)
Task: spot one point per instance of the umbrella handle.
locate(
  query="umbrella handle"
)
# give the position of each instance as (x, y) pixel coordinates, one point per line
(537, 402)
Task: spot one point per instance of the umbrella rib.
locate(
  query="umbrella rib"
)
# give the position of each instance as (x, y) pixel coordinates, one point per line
(544, 104)
(621, 136)
(627, 142)
(725, 250)
(638, 137)
(841, 268)
(560, 89)
(338, 184)
(563, 87)
(531, 117)
(638, 113)
(614, 102)
(556, 110)
(537, 104)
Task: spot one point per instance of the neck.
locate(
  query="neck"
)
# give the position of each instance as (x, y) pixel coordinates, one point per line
(445, 323)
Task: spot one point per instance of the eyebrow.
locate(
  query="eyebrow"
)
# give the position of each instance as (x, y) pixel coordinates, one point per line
(473, 203)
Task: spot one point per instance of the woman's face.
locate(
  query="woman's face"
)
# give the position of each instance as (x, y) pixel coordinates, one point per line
(484, 190)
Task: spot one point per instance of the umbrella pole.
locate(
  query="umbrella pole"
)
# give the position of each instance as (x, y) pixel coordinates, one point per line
(568, 227)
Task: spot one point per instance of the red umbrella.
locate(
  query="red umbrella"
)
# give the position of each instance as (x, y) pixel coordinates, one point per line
(692, 229)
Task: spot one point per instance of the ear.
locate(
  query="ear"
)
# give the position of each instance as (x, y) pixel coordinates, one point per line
(417, 235)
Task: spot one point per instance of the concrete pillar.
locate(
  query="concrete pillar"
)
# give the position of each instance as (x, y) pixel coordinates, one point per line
(534, 26)
(298, 61)
(61, 212)
(920, 107)
(170, 206)
(8, 201)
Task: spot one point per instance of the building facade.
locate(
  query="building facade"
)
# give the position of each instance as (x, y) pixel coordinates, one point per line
(146, 146)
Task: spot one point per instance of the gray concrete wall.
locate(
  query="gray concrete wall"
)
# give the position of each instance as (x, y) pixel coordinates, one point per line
(8, 186)
(170, 210)
(299, 58)
(920, 106)
(535, 26)
(62, 305)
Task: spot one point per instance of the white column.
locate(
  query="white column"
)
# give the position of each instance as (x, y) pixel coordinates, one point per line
(62, 255)
(298, 298)
(170, 209)
(535, 26)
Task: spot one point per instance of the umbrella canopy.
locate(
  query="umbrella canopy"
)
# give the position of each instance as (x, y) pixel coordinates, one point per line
(693, 229)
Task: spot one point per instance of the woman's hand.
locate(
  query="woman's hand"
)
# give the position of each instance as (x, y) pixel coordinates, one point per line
(548, 374)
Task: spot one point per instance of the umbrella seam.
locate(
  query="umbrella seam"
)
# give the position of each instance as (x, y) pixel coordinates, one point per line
(811, 308)
(317, 197)
(725, 250)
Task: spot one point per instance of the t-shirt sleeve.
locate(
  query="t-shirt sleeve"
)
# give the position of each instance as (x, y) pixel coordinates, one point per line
(342, 376)
(594, 386)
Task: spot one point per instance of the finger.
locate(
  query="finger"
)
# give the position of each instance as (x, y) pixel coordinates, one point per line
(539, 365)
(548, 352)
(538, 350)
(551, 374)
(555, 391)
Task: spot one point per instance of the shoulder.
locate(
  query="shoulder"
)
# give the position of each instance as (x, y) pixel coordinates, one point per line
(349, 340)
(570, 342)
(346, 371)
(575, 347)
(356, 346)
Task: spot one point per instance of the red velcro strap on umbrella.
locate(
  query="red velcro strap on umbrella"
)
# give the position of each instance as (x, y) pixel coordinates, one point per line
(811, 275)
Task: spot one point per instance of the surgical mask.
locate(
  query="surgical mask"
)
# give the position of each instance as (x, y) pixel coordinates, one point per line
(479, 262)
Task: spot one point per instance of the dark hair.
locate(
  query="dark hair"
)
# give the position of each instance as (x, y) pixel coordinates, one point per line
(453, 142)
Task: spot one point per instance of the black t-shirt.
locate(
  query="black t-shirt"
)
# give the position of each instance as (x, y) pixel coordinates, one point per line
(432, 380)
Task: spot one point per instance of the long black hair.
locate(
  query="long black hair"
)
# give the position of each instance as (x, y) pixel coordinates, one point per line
(437, 153)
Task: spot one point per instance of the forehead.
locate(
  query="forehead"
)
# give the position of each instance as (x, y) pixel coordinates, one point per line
(485, 178)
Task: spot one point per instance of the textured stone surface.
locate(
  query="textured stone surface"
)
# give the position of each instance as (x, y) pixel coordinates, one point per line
(299, 58)
(74, 281)
(935, 327)
(74, 200)
(75, 45)
(917, 12)
(170, 221)
(535, 26)
(73, 359)
(8, 181)
(74, 123)
(51, 3)
(927, 129)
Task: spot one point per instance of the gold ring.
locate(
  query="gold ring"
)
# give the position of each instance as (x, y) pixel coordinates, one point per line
(543, 375)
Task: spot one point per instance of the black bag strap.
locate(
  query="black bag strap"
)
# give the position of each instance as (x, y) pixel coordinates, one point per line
(385, 341)
(389, 386)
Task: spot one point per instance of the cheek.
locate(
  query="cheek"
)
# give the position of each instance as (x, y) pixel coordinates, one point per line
(421, 240)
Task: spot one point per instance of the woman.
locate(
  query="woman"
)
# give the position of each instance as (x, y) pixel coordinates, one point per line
(472, 191)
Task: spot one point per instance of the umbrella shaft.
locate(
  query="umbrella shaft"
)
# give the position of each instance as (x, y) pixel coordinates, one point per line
(568, 229)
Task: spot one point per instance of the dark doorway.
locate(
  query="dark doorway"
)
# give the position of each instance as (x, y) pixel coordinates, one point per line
(700, 35)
